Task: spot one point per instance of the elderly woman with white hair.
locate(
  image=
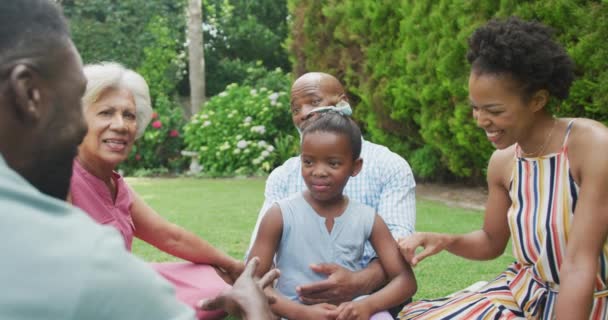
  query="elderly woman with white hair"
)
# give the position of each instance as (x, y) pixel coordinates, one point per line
(117, 110)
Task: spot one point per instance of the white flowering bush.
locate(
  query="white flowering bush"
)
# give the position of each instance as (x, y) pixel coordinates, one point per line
(236, 131)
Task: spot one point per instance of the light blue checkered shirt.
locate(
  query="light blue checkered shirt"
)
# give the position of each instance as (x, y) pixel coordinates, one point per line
(385, 183)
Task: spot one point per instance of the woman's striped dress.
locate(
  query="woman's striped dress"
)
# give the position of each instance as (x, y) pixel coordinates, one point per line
(543, 195)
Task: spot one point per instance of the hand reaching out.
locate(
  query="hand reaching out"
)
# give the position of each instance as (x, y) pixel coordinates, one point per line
(246, 299)
(432, 243)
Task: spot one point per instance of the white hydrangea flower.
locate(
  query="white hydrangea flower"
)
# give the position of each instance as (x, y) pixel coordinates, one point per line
(242, 144)
(204, 116)
(206, 123)
(253, 92)
(265, 154)
(223, 94)
(273, 97)
(225, 146)
(236, 151)
(262, 143)
(258, 129)
(247, 120)
(256, 161)
(270, 148)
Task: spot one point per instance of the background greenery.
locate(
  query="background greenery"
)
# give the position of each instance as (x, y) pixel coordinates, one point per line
(243, 44)
(404, 65)
(224, 211)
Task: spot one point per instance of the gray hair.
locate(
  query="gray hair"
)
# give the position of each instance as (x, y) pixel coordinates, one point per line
(106, 75)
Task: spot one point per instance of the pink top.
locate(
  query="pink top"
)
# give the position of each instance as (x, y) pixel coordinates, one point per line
(92, 195)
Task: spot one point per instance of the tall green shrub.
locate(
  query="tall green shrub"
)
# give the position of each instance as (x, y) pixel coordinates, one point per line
(404, 65)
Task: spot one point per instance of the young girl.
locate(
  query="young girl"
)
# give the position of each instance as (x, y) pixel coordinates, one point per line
(321, 224)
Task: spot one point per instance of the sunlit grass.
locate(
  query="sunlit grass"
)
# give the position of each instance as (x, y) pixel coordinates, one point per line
(224, 211)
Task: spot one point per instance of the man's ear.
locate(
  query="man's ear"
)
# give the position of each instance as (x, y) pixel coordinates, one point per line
(24, 82)
(357, 167)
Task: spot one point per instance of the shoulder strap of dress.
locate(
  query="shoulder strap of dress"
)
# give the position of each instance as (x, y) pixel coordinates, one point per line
(568, 129)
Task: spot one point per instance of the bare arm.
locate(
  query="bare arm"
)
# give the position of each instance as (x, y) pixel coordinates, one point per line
(265, 247)
(589, 230)
(485, 244)
(275, 189)
(177, 241)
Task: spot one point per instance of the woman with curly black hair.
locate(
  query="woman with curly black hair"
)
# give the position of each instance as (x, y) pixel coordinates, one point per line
(548, 188)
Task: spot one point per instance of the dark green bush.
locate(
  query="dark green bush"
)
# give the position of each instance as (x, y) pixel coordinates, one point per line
(404, 65)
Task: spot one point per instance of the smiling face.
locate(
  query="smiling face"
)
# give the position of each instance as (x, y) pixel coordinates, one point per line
(327, 164)
(500, 109)
(313, 90)
(112, 129)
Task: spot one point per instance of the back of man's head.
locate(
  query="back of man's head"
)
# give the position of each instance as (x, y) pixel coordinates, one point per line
(30, 29)
(41, 85)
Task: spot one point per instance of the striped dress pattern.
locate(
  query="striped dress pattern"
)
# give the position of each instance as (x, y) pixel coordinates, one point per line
(543, 198)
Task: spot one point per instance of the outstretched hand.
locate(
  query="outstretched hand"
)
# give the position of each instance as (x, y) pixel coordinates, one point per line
(246, 299)
(432, 243)
(340, 285)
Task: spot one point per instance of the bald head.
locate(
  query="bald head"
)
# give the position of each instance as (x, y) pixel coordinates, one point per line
(318, 80)
(313, 90)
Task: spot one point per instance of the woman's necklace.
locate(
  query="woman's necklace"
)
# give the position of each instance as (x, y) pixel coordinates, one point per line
(540, 149)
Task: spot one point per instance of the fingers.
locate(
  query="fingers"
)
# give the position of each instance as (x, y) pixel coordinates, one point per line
(311, 301)
(419, 257)
(268, 278)
(408, 246)
(315, 288)
(212, 304)
(406, 251)
(270, 298)
(325, 268)
(251, 266)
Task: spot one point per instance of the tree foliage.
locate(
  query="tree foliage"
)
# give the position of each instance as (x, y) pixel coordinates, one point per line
(404, 65)
(238, 34)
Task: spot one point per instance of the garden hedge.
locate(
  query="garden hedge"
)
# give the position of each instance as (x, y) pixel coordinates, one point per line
(404, 65)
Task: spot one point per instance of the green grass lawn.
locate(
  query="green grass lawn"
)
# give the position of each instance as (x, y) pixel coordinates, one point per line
(224, 211)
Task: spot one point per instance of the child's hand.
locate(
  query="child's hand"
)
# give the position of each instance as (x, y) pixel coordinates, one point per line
(353, 311)
(322, 311)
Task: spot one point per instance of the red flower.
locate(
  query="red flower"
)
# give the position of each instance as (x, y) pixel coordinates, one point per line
(154, 115)
(138, 157)
(157, 124)
(174, 133)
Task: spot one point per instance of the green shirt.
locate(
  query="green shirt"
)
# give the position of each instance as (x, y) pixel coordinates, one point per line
(56, 263)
